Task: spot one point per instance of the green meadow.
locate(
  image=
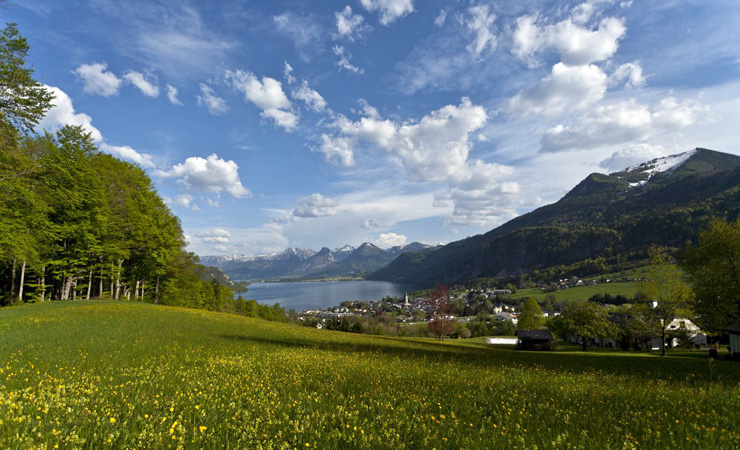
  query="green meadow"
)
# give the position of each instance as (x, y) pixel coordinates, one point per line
(100, 375)
(624, 288)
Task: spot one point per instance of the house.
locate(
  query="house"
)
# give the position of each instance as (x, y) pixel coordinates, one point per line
(534, 340)
(678, 324)
(734, 332)
(503, 316)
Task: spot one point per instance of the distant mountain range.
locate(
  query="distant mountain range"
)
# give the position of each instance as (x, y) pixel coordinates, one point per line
(602, 224)
(299, 263)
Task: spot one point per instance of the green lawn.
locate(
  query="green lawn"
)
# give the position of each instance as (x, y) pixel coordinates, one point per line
(627, 289)
(122, 375)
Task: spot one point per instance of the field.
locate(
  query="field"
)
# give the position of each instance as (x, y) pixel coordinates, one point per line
(119, 375)
(624, 288)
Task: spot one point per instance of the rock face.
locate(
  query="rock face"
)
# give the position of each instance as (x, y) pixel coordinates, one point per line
(604, 222)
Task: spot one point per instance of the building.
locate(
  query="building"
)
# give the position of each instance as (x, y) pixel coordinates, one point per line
(734, 332)
(534, 340)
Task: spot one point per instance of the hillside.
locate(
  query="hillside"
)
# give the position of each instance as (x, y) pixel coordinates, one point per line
(134, 375)
(601, 224)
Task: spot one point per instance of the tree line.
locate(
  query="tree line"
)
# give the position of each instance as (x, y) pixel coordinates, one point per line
(76, 223)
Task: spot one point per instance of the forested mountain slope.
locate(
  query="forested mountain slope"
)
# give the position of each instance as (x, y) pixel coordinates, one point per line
(603, 223)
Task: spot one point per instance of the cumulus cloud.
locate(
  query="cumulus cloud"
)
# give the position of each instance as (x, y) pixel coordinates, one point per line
(172, 95)
(366, 109)
(344, 63)
(208, 98)
(566, 88)
(479, 23)
(630, 74)
(316, 205)
(337, 150)
(389, 10)
(350, 26)
(148, 88)
(98, 80)
(575, 43)
(267, 94)
(387, 240)
(631, 156)
(212, 174)
(312, 99)
(63, 113)
(488, 206)
(129, 154)
(186, 201)
(433, 149)
(626, 121)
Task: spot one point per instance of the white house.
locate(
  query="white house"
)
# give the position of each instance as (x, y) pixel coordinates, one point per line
(677, 324)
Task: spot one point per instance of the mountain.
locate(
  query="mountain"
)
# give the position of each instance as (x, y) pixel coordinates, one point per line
(298, 263)
(602, 224)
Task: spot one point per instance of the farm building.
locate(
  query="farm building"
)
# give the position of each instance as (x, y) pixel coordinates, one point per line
(734, 332)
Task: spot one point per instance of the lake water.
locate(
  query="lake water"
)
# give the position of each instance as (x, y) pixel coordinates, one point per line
(321, 295)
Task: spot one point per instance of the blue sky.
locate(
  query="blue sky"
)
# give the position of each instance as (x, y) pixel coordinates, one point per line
(268, 124)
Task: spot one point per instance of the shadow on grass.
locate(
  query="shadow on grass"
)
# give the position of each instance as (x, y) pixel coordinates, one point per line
(691, 370)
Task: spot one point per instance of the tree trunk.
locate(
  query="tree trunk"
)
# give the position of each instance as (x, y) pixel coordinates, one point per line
(43, 283)
(23, 279)
(662, 342)
(12, 280)
(136, 290)
(584, 345)
(65, 288)
(89, 284)
(100, 292)
(74, 288)
(156, 292)
(142, 290)
(118, 279)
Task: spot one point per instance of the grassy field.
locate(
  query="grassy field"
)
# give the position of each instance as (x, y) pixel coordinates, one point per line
(117, 375)
(626, 288)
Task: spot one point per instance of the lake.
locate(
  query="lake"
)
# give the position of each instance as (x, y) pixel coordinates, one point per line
(321, 295)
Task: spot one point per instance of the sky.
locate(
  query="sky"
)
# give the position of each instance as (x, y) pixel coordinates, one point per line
(270, 124)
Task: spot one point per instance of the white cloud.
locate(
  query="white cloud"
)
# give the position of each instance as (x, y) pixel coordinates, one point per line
(631, 156)
(211, 174)
(186, 201)
(267, 95)
(488, 206)
(129, 154)
(63, 113)
(215, 104)
(288, 73)
(480, 24)
(436, 148)
(623, 122)
(629, 73)
(337, 150)
(387, 240)
(577, 45)
(304, 31)
(350, 26)
(145, 86)
(566, 88)
(313, 100)
(441, 18)
(344, 58)
(98, 80)
(172, 95)
(389, 10)
(316, 205)
(369, 224)
(367, 110)
(214, 236)
(221, 248)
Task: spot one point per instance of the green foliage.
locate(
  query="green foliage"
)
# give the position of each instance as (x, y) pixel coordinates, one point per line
(130, 375)
(585, 321)
(23, 100)
(531, 316)
(714, 272)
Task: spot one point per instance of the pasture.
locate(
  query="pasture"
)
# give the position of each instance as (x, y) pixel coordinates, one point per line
(127, 375)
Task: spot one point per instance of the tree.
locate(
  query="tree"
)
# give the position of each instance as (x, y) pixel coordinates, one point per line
(714, 271)
(667, 295)
(23, 100)
(439, 300)
(584, 320)
(531, 317)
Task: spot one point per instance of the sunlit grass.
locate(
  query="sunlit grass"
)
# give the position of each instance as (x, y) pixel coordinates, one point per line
(117, 375)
